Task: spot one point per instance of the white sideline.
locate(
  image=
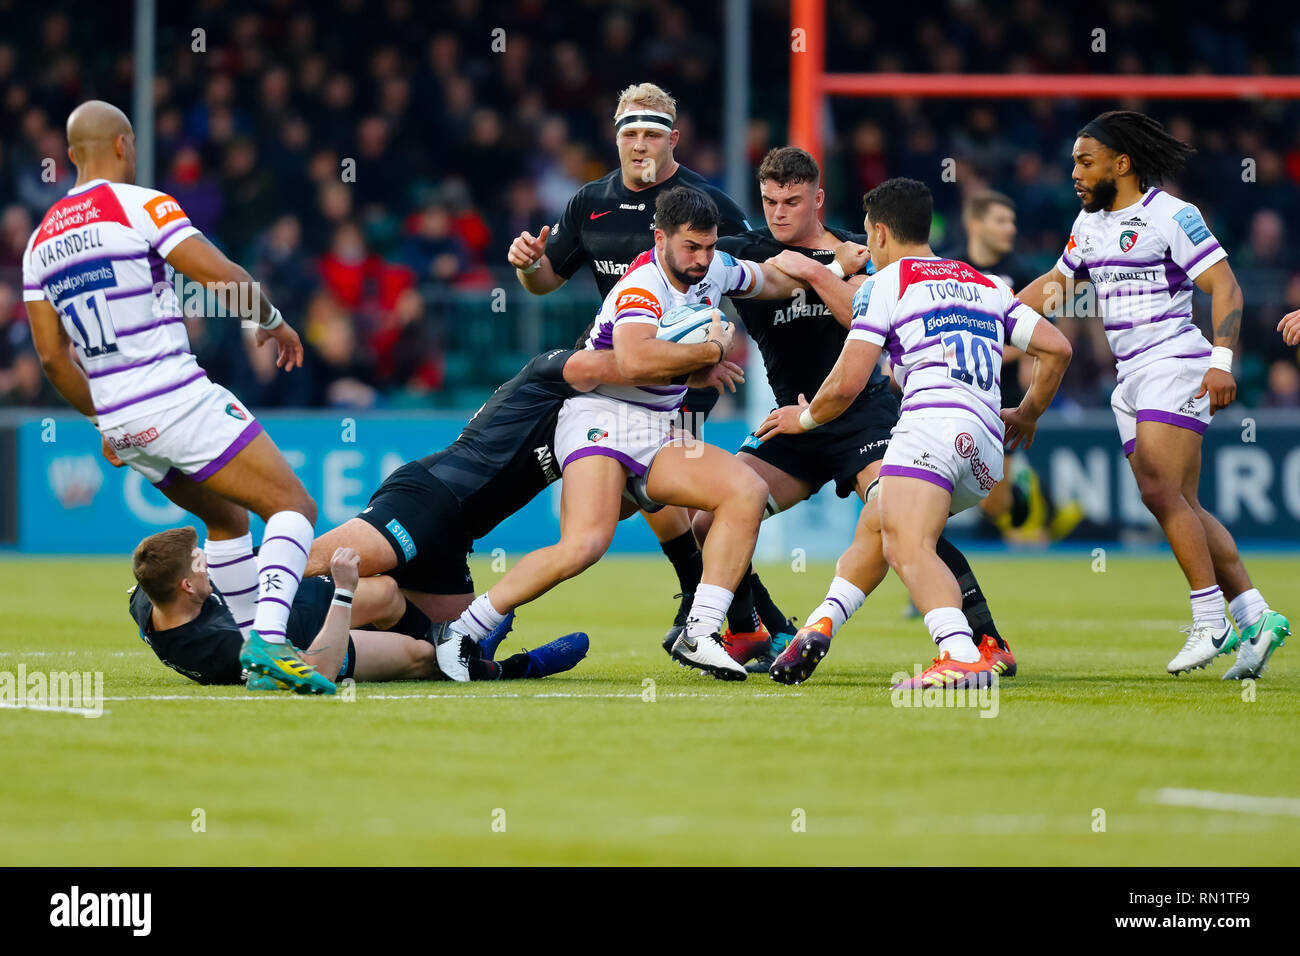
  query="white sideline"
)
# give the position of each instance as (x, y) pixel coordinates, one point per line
(278, 695)
(1235, 802)
(81, 711)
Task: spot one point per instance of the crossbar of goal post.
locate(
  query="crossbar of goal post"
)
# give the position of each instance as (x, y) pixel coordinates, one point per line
(811, 85)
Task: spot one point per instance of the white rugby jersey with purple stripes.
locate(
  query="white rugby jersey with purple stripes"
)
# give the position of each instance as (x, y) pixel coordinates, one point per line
(943, 324)
(644, 294)
(1142, 261)
(98, 257)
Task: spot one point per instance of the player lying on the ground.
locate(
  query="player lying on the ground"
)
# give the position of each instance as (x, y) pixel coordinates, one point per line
(96, 276)
(421, 523)
(1143, 250)
(801, 339)
(188, 624)
(944, 324)
(614, 431)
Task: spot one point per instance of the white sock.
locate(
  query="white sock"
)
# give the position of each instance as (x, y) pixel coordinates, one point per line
(280, 564)
(233, 570)
(843, 600)
(1247, 608)
(950, 631)
(479, 619)
(1207, 607)
(707, 610)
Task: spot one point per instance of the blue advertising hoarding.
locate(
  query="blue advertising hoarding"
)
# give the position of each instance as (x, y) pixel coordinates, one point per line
(71, 501)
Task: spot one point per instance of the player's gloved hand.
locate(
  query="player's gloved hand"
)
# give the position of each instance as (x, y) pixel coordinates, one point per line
(1020, 428)
(723, 334)
(345, 569)
(111, 455)
(720, 376)
(288, 347)
(527, 249)
(1221, 386)
(783, 421)
(852, 257)
(1290, 328)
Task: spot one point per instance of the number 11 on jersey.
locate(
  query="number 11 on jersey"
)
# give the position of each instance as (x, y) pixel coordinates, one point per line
(93, 324)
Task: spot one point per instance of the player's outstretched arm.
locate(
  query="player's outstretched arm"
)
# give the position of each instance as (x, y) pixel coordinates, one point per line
(846, 381)
(1225, 316)
(835, 292)
(203, 262)
(53, 347)
(1290, 328)
(775, 282)
(331, 643)
(532, 266)
(1046, 293)
(1051, 351)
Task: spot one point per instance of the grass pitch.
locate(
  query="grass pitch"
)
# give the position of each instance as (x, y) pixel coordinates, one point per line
(586, 768)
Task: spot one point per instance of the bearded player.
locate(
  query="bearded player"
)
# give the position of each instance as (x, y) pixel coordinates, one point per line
(612, 432)
(944, 325)
(1143, 250)
(96, 278)
(801, 339)
(606, 225)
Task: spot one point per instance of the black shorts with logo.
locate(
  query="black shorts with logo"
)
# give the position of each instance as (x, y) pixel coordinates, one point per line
(838, 450)
(421, 519)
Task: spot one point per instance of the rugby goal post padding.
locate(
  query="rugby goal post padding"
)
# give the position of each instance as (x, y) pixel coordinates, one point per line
(811, 85)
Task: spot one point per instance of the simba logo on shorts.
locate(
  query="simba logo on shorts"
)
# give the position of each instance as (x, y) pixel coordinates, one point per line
(164, 209)
(1127, 240)
(638, 299)
(234, 411)
(403, 538)
(597, 434)
(964, 444)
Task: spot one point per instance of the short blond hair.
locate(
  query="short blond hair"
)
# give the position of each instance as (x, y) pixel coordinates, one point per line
(648, 96)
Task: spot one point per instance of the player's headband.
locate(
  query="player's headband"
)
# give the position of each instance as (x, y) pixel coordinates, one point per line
(1101, 135)
(644, 119)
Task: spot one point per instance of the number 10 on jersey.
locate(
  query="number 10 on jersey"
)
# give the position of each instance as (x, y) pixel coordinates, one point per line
(92, 324)
(969, 358)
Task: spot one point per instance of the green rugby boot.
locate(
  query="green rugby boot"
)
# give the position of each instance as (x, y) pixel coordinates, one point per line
(283, 663)
(1258, 644)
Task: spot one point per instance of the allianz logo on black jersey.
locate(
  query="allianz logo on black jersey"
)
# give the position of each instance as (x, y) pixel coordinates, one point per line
(546, 458)
(796, 311)
(607, 267)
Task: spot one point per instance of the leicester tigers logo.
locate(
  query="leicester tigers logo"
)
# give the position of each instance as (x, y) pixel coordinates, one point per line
(1127, 240)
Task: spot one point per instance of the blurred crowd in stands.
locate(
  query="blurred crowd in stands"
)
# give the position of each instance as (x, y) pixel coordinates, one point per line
(371, 160)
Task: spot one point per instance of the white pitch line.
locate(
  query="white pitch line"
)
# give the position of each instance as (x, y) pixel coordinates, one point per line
(1235, 802)
(289, 696)
(82, 711)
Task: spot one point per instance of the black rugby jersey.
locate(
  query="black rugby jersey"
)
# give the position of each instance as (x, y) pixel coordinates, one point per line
(506, 453)
(607, 225)
(800, 344)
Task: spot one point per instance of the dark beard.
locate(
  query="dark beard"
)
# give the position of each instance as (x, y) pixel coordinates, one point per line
(1103, 195)
(682, 277)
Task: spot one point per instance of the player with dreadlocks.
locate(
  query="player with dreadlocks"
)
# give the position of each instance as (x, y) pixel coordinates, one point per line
(1143, 249)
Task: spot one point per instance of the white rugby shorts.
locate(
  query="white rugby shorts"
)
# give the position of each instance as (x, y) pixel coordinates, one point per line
(196, 438)
(1162, 392)
(957, 454)
(594, 424)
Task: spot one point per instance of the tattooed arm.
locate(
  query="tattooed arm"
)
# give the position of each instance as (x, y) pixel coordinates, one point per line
(1225, 312)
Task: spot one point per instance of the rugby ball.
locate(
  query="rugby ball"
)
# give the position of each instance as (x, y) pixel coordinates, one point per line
(687, 324)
